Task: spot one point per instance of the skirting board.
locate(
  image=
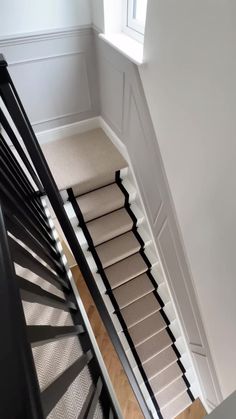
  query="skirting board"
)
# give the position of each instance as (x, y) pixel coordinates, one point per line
(69, 130)
(65, 131)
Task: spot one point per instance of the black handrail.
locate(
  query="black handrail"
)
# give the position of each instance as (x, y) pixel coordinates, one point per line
(22, 123)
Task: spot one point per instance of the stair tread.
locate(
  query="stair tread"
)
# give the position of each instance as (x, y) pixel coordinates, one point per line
(88, 159)
(117, 249)
(132, 290)
(125, 270)
(153, 345)
(101, 201)
(176, 406)
(147, 328)
(159, 362)
(171, 392)
(109, 226)
(140, 308)
(165, 377)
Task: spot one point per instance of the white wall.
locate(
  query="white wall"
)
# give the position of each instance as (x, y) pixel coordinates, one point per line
(107, 15)
(21, 16)
(97, 7)
(226, 410)
(190, 83)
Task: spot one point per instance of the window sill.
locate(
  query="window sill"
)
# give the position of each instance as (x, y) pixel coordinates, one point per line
(126, 45)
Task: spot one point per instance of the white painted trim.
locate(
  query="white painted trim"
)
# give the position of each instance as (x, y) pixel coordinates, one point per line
(53, 47)
(130, 25)
(57, 118)
(69, 130)
(114, 138)
(44, 58)
(26, 38)
(64, 131)
(127, 46)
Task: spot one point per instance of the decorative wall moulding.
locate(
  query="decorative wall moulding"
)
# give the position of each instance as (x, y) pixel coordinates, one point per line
(30, 37)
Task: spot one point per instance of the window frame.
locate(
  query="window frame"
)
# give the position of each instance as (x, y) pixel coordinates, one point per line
(130, 25)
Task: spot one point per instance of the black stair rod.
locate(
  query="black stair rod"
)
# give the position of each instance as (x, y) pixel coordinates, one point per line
(31, 143)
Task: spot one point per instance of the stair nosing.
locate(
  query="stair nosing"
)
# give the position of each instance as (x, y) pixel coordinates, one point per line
(106, 215)
(171, 382)
(144, 295)
(180, 374)
(173, 399)
(153, 334)
(93, 190)
(157, 353)
(103, 215)
(130, 278)
(152, 376)
(158, 309)
(126, 257)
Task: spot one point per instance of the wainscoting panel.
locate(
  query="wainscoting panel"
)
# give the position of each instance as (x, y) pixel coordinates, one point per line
(206, 378)
(112, 88)
(143, 161)
(53, 82)
(55, 75)
(173, 270)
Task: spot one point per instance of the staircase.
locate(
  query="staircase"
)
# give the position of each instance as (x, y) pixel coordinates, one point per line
(112, 230)
(101, 215)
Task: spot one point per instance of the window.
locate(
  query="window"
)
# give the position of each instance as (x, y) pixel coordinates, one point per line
(135, 17)
(124, 27)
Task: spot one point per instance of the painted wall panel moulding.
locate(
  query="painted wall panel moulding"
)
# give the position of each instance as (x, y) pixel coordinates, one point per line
(34, 60)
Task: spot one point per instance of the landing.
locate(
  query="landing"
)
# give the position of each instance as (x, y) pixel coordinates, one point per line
(84, 159)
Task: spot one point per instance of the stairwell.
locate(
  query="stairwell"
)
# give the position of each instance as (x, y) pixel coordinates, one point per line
(102, 202)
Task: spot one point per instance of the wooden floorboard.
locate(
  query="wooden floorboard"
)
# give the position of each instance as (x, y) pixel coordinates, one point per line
(195, 411)
(124, 393)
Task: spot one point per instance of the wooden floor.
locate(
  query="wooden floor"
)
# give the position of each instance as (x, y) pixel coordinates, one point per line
(195, 411)
(124, 393)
